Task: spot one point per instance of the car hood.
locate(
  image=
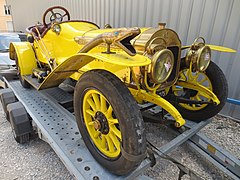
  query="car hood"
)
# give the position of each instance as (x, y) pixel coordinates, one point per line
(5, 60)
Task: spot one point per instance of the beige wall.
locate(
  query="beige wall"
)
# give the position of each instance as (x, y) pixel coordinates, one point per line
(26, 13)
(4, 18)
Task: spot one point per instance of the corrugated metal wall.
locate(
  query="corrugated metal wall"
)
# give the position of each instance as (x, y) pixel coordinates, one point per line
(216, 20)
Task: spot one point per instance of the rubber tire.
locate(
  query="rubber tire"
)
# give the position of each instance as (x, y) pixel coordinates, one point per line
(220, 88)
(24, 83)
(21, 139)
(128, 114)
(25, 138)
(4, 105)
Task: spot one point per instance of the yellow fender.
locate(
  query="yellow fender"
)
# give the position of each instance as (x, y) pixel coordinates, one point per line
(25, 55)
(198, 87)
(142, 95)
(215, 48)
(74, 63)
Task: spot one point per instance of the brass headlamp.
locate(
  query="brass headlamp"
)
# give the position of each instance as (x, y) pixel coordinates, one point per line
(162, 65)
(198, 56)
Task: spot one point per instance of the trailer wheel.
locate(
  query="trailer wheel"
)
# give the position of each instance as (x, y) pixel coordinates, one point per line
(21, 139)
(109, 121)
(20, 122)
(24, 83)
(7, 97)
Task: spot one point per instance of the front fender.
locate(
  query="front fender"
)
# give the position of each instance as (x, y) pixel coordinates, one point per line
(72, 64)
(214, 48)
(201, 89)
(119, 58)
(25, 56)
(142, 95)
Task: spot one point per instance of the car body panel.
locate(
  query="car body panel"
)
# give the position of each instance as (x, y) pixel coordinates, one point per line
(51, 45)
(76, 62)
(62, 45)
(24, 52)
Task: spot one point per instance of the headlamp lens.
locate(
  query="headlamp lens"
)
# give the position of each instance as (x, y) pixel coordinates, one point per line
(162, 65)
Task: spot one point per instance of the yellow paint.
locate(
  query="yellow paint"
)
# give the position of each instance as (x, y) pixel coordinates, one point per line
(76, 75)
(211, 148)
(74, 63)
(199, 78)
(65, 69)
(62, 47)
(215, 48)
(108, 143)
(64, 44)
(203, 90)
(142, 95)
(25, 55)
(221, 48)
(122, 72)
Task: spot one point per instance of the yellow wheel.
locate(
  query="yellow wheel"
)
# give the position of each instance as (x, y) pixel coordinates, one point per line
(199, 78)
(213, 79)
(101, 124)
(109, 121)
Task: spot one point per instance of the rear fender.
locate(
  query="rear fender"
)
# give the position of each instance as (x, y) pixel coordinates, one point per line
(25, 55)
(74, 63)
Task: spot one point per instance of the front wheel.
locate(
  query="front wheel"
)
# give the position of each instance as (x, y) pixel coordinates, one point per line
(214, 79)
(109, 121)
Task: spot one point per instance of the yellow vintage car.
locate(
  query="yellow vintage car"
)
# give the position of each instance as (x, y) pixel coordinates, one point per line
(115, 70)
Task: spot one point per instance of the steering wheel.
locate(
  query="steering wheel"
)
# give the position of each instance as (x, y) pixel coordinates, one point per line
(56, 13)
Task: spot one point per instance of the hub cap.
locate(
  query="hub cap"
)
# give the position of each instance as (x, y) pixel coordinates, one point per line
(101, 123)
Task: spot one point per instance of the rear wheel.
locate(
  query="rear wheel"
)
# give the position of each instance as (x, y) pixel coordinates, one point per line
(213, 79)
(110, 122)
(21, 79)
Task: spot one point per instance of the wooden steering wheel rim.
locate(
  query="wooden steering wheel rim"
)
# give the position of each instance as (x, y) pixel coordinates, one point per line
(50, 10)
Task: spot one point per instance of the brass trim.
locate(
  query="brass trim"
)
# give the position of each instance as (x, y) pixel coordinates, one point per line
(194, 54)
(154, 61)
(115, 37)
(198, 58)
(162, 25)
(143, 40)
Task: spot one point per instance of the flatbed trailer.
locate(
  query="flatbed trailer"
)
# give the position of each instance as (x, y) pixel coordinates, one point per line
(51, 116)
